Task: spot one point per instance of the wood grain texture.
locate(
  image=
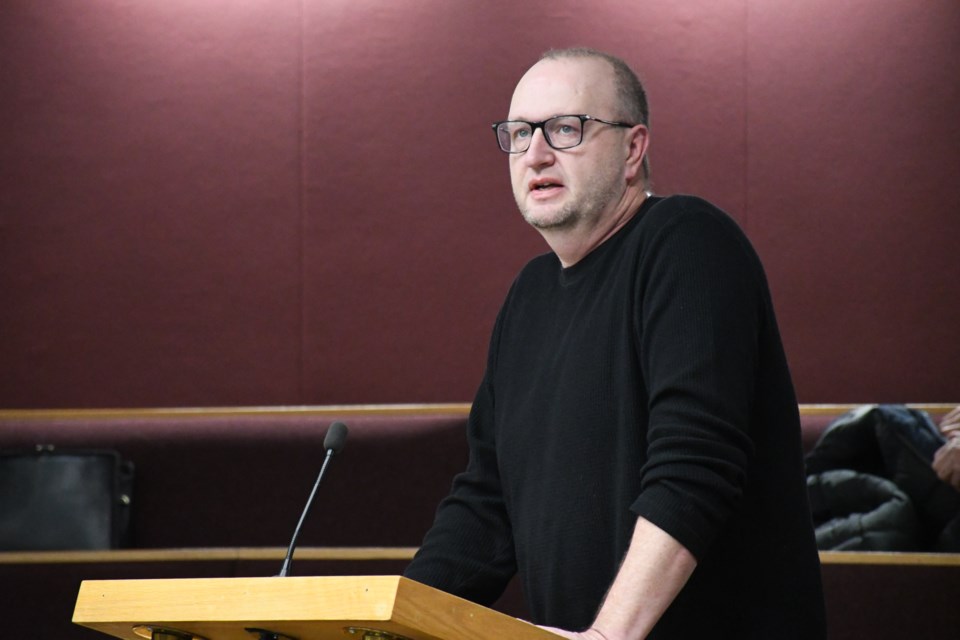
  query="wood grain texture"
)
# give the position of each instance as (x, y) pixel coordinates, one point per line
(308, 608)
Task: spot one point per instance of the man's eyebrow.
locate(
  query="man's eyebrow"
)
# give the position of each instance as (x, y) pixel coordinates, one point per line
(522, 119)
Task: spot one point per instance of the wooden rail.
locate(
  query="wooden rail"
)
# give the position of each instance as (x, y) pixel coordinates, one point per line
(383, 553)
(205, 555)
(227, 412)
(455, 408)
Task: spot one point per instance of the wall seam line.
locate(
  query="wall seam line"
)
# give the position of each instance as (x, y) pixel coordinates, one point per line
(746, 115)
(302, 197)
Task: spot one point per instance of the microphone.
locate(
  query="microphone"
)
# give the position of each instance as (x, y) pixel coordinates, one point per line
(333, 442)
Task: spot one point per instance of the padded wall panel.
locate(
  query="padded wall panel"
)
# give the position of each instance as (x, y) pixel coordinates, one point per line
(412, 237)
(150, 179)
(854, 192)
(410, 240)
(268, 202)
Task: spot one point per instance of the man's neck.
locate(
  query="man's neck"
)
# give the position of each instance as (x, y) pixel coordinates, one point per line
(574, 244)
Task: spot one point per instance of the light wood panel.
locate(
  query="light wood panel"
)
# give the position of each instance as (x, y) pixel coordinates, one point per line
(316, 608)
(891, 558)
(205, 555)
(337, 411)
(380, 553)
(346, 410)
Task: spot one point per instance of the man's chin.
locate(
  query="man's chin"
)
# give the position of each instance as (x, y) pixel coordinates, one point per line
(549, 220)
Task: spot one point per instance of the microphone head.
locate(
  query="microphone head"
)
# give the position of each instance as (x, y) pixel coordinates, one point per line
(336, 437)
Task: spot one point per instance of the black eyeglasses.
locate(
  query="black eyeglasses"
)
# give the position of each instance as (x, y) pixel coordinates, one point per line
(560, 132)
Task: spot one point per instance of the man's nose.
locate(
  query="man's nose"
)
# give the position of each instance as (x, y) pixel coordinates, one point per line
(540, 152)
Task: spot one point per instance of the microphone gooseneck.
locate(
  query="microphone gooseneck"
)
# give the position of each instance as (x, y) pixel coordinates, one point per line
(333, 443)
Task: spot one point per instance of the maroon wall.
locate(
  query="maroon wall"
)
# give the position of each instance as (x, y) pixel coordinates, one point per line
(299, 201)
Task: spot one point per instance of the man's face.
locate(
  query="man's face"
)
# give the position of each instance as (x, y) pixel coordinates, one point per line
(574, 187)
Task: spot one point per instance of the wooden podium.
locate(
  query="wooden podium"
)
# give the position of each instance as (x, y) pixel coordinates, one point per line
(297, 608)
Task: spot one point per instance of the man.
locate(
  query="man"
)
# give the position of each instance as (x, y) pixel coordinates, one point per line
(635, 443)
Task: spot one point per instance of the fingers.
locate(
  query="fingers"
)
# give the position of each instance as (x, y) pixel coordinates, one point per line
(946, 463)
(950, 422)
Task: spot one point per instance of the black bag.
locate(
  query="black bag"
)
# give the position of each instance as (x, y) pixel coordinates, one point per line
(54, 499)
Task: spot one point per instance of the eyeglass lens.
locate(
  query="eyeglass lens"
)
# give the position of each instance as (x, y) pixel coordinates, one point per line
(561, 132)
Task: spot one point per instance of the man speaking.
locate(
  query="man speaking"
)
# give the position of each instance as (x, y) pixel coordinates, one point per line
(635, 442)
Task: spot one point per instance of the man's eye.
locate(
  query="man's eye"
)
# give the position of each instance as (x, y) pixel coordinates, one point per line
(564, 130)
(521, 133)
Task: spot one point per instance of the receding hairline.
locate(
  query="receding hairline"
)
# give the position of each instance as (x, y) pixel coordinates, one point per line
(627, 86)
(579, 52)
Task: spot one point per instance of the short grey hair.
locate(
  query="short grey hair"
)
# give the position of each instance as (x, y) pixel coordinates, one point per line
(631, 96)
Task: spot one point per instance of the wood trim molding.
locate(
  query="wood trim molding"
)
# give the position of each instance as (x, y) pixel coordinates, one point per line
(832, 409)
(383, 553)
(205, 555)
(890, 558)
(335, 411)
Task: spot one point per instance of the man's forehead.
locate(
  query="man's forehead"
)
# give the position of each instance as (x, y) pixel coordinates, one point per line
(562, 86)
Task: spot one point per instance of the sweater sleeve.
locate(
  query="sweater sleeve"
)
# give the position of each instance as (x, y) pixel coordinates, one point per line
(469, 550)
(701, 296)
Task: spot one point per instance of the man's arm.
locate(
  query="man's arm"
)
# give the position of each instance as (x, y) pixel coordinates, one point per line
(652, 574)
(469, 549)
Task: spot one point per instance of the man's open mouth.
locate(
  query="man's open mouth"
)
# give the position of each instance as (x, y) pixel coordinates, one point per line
(543, 185)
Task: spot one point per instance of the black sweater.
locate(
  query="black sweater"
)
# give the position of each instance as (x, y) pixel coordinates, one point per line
(647, 379)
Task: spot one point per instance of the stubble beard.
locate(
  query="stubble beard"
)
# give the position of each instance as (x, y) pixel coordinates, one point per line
(566, 217)
(598, 194)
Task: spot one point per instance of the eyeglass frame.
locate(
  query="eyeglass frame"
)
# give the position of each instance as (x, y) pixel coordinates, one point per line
(540, 125)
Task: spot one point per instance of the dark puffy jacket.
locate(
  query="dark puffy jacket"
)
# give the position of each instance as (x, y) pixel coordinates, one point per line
(889, 497)
(861, 511)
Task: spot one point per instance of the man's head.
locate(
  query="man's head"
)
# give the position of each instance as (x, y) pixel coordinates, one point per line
(631, 96)
(591, 187)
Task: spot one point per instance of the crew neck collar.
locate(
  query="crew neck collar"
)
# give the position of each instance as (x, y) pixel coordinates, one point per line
(572, 274)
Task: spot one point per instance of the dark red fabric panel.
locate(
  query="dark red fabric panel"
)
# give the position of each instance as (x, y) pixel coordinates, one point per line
(150, 203)
(290, 202)
(853, 192)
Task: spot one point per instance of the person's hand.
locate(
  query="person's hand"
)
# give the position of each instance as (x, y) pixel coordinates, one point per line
(946, 461)
(950, 424)
(589, 634)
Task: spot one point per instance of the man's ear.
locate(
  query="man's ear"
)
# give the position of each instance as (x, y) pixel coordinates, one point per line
(638, 142)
